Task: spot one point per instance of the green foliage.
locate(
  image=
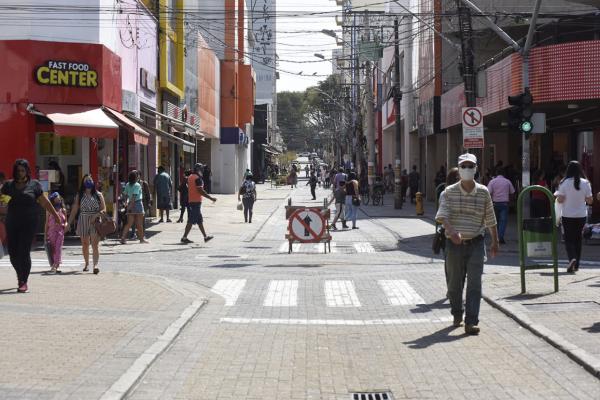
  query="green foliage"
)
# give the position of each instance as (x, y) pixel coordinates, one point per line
(302, 116)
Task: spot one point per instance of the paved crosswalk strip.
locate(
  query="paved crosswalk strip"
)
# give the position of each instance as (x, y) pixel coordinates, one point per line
(364, 247)
(42, 262)
(338, 293)
(229, 289)
(341, 294)
(282, 294)
(400, 293)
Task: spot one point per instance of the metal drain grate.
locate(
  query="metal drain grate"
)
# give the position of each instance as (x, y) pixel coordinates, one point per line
(371, 396)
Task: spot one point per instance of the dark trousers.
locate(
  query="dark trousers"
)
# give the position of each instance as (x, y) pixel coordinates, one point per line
(20, 234)
(413, 193)
(501, 211)
(312, 191)
(248, 203)
(465, 261)
(573, 237)
(184, 207)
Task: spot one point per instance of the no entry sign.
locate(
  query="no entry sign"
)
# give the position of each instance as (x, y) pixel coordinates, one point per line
(307, 225)
(472, 123)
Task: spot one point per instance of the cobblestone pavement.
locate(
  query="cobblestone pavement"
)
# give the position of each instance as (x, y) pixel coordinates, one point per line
(76, 333)
(369, 316)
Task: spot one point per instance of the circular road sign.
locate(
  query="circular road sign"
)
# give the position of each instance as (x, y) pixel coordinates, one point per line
(307, 225)
(472, 117)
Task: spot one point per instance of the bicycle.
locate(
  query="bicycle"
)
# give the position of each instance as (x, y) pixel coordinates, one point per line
(377, 197)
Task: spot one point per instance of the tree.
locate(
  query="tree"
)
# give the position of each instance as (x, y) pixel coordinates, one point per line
(291, 120)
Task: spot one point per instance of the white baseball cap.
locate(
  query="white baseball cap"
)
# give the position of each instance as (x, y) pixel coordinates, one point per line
(467, 157)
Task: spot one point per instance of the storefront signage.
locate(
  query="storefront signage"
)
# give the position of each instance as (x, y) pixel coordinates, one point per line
(66, 73)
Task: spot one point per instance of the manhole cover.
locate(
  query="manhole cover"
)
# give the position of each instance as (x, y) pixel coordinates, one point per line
(371, 396)
(563, 306)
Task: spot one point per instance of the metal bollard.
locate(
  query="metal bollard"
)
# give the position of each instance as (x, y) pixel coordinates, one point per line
(419, 203)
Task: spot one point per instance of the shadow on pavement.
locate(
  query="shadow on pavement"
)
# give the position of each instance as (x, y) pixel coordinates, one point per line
(593, 329)
(441, 336)
(294, 266)
(532, 296)
(231, 265)
(425, 308)
(8, 291)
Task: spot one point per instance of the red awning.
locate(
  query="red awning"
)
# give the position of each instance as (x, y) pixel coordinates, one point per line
(82, 121)
(139, 134)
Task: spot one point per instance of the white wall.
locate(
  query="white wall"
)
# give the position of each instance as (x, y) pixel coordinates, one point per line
(68, 26)
(229, 163)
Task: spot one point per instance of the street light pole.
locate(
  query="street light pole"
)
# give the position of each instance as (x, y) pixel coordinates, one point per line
(397, 98)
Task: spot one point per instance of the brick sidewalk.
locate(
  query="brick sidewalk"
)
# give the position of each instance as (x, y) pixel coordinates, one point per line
(76, 333)
(569, 319)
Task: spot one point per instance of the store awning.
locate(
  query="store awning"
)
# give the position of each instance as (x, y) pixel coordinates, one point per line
(174, 139)
(139, 134)
(270, 149)
(82, 121)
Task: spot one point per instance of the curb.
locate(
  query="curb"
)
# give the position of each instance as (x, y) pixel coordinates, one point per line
(577, 354)
(127, 382)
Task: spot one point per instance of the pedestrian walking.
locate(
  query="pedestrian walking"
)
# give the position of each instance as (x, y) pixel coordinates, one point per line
(341, 176)
(248, 193)
(465, 211)
(89, 205)
(183, 195)
(352, 199)
(55, 231)
(135, 207)
(293, 178)
(403, 184)
(163, 187)
(312, 181)
(339, 196)
(540, 206)
(501, 190)
(574, 194)
(414, 179)
(207, 178)
(22, 214)
(196, 193)
(306, 171)
(146, 202)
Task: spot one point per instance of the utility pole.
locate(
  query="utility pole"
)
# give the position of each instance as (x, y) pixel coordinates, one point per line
(525, 178)
(397, 93)
(466, 43)
(370, 121)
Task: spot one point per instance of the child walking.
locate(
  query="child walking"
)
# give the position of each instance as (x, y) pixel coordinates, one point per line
(55, 232)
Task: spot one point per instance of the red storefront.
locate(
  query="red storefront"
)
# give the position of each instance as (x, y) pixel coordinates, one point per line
(61, 102)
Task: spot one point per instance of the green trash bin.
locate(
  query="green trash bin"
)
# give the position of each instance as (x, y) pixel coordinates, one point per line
(537, 234)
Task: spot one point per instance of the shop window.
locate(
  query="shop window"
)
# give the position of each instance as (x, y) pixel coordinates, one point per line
(172, 56)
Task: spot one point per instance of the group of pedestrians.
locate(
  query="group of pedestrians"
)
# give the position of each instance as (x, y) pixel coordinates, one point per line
(21, 197)
(346, 197)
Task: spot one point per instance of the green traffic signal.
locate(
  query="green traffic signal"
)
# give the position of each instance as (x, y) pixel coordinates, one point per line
(526, 126)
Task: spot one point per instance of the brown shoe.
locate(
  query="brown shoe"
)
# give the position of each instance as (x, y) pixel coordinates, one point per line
(471, 329)
(457, 321)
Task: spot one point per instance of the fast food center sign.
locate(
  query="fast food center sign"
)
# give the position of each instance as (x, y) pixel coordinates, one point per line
(66, 73)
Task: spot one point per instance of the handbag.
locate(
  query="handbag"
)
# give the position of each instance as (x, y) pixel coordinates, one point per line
(439, 240)
(240, 206)
(355, 201)
(105, 226)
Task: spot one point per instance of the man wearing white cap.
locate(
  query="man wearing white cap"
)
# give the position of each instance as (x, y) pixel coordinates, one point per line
(465, 211)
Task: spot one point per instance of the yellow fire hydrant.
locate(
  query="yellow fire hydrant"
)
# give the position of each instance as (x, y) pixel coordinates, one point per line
(419, 203)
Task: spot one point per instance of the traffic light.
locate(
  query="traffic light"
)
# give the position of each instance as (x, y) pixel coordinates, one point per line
(519, 115)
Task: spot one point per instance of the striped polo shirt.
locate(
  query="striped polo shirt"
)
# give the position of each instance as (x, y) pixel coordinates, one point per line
(468, 212)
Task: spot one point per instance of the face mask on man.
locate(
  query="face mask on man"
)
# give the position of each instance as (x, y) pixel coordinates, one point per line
(467, 174)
